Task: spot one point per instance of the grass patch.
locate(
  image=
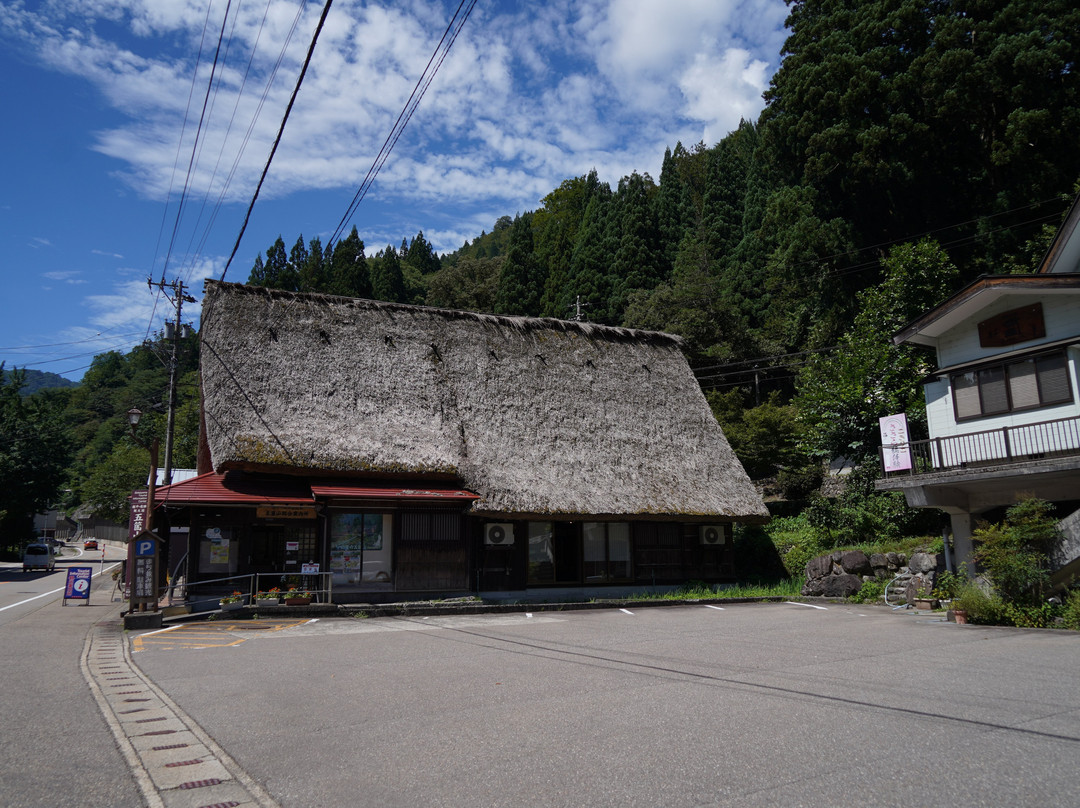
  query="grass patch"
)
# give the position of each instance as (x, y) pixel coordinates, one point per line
(789, 588)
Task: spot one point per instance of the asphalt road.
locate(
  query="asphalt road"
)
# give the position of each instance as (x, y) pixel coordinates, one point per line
(56, 748)
(751, 705)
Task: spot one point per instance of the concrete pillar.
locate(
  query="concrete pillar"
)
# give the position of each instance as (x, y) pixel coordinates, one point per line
(963, 524)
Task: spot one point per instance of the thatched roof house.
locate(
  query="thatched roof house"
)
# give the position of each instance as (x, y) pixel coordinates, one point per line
(538, 417)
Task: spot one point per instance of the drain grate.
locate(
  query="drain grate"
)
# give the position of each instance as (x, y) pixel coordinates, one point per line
(213, 781)
(150, 720)
(168, 746)
(161, 732)
(230, 804)
(182, 763)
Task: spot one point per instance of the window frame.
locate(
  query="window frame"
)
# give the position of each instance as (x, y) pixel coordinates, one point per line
(993, 374)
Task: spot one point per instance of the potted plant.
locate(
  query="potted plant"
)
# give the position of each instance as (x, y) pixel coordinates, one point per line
(230, 603)
(297, 597)
(269, 598)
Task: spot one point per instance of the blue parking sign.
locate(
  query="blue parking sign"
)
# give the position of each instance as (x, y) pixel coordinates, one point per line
(144, 547)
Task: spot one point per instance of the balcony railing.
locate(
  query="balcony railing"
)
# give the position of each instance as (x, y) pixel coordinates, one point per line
(1010, 444)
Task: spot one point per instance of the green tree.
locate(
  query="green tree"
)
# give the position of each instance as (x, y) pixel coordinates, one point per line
(906, 116)
(349, 274)
(556, 225)
(468, 284)
(107, 488)
(765, 438)
(387, 280)
(843, 393)
(421, 256)
(34, 452)
(521, 279)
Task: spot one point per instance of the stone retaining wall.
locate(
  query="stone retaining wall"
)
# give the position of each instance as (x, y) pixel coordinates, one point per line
(841, 574)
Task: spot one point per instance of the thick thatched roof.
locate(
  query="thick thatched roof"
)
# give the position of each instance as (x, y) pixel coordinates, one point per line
(537, 416)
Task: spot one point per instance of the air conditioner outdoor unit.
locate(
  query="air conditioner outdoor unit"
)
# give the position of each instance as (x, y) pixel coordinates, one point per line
(713, 535)
(499, 533)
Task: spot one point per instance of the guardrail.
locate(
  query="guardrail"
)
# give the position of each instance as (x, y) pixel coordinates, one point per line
(1010, 444)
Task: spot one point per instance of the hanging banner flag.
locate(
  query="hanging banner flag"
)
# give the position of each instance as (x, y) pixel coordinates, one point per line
(895, 451)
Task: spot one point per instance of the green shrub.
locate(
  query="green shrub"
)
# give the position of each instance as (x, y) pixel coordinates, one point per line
(1070, 611)
(800, 482)
(871, 591)
(796, 541)
(1015, 552)
(1042, 615)
(947, 585)
(980, 606)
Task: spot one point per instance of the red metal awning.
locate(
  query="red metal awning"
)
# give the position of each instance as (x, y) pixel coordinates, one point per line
(234, 488)
(345, 490)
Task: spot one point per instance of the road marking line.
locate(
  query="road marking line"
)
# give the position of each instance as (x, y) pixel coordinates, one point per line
(626, 610)
(710, 606)
(807, 605)
(50, 592)
(160, 631)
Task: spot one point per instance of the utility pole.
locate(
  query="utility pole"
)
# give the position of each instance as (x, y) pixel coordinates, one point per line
(175, 293)
(577, 307)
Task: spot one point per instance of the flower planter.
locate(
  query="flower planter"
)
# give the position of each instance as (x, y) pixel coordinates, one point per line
(266, 601)
(926, 603)
(297, 601)
(960, 616)
(231, 607)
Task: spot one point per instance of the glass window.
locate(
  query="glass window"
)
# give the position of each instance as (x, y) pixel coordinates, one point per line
(1054, 385)
(541, 553)
(360, 548)
(1021, 385)
(992, 384)
(966, 395)
(606, 551)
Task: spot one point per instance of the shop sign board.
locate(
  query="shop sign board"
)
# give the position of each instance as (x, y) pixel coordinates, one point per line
(285, 512)
(894, 442)
(137, 519)
(78, 584)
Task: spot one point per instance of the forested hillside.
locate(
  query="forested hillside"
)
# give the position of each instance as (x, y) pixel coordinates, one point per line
(905, 148)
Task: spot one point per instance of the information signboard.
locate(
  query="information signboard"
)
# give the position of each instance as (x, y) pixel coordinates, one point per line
(144, 574)
(78, 584)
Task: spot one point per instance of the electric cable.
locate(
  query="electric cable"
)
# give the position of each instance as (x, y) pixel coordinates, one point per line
(277, 140)
(406, 114)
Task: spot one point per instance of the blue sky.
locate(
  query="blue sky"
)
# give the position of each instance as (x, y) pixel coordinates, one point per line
(96, 151)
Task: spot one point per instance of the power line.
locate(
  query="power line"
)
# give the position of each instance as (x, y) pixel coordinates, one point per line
(281, 130)
(448, 38)
(250, 127)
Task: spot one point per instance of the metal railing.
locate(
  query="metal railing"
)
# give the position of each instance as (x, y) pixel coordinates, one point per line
(1010, 444)
(208, 592)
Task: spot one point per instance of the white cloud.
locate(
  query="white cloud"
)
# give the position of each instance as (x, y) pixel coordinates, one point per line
(530, 94)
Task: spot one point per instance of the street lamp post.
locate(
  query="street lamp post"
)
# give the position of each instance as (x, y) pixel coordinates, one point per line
(134, 415)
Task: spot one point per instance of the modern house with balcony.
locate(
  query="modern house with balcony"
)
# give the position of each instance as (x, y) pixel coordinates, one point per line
(1003, 405)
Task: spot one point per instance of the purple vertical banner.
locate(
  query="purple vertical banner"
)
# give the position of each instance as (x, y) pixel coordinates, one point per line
(137, 519)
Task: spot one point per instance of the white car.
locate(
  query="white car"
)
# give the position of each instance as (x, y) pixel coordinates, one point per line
(38, 556)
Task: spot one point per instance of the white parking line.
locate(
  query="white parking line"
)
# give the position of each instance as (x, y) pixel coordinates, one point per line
(710, 606)
(807, 605)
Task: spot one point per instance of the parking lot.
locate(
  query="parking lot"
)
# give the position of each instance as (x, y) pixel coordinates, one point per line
(752, 704)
